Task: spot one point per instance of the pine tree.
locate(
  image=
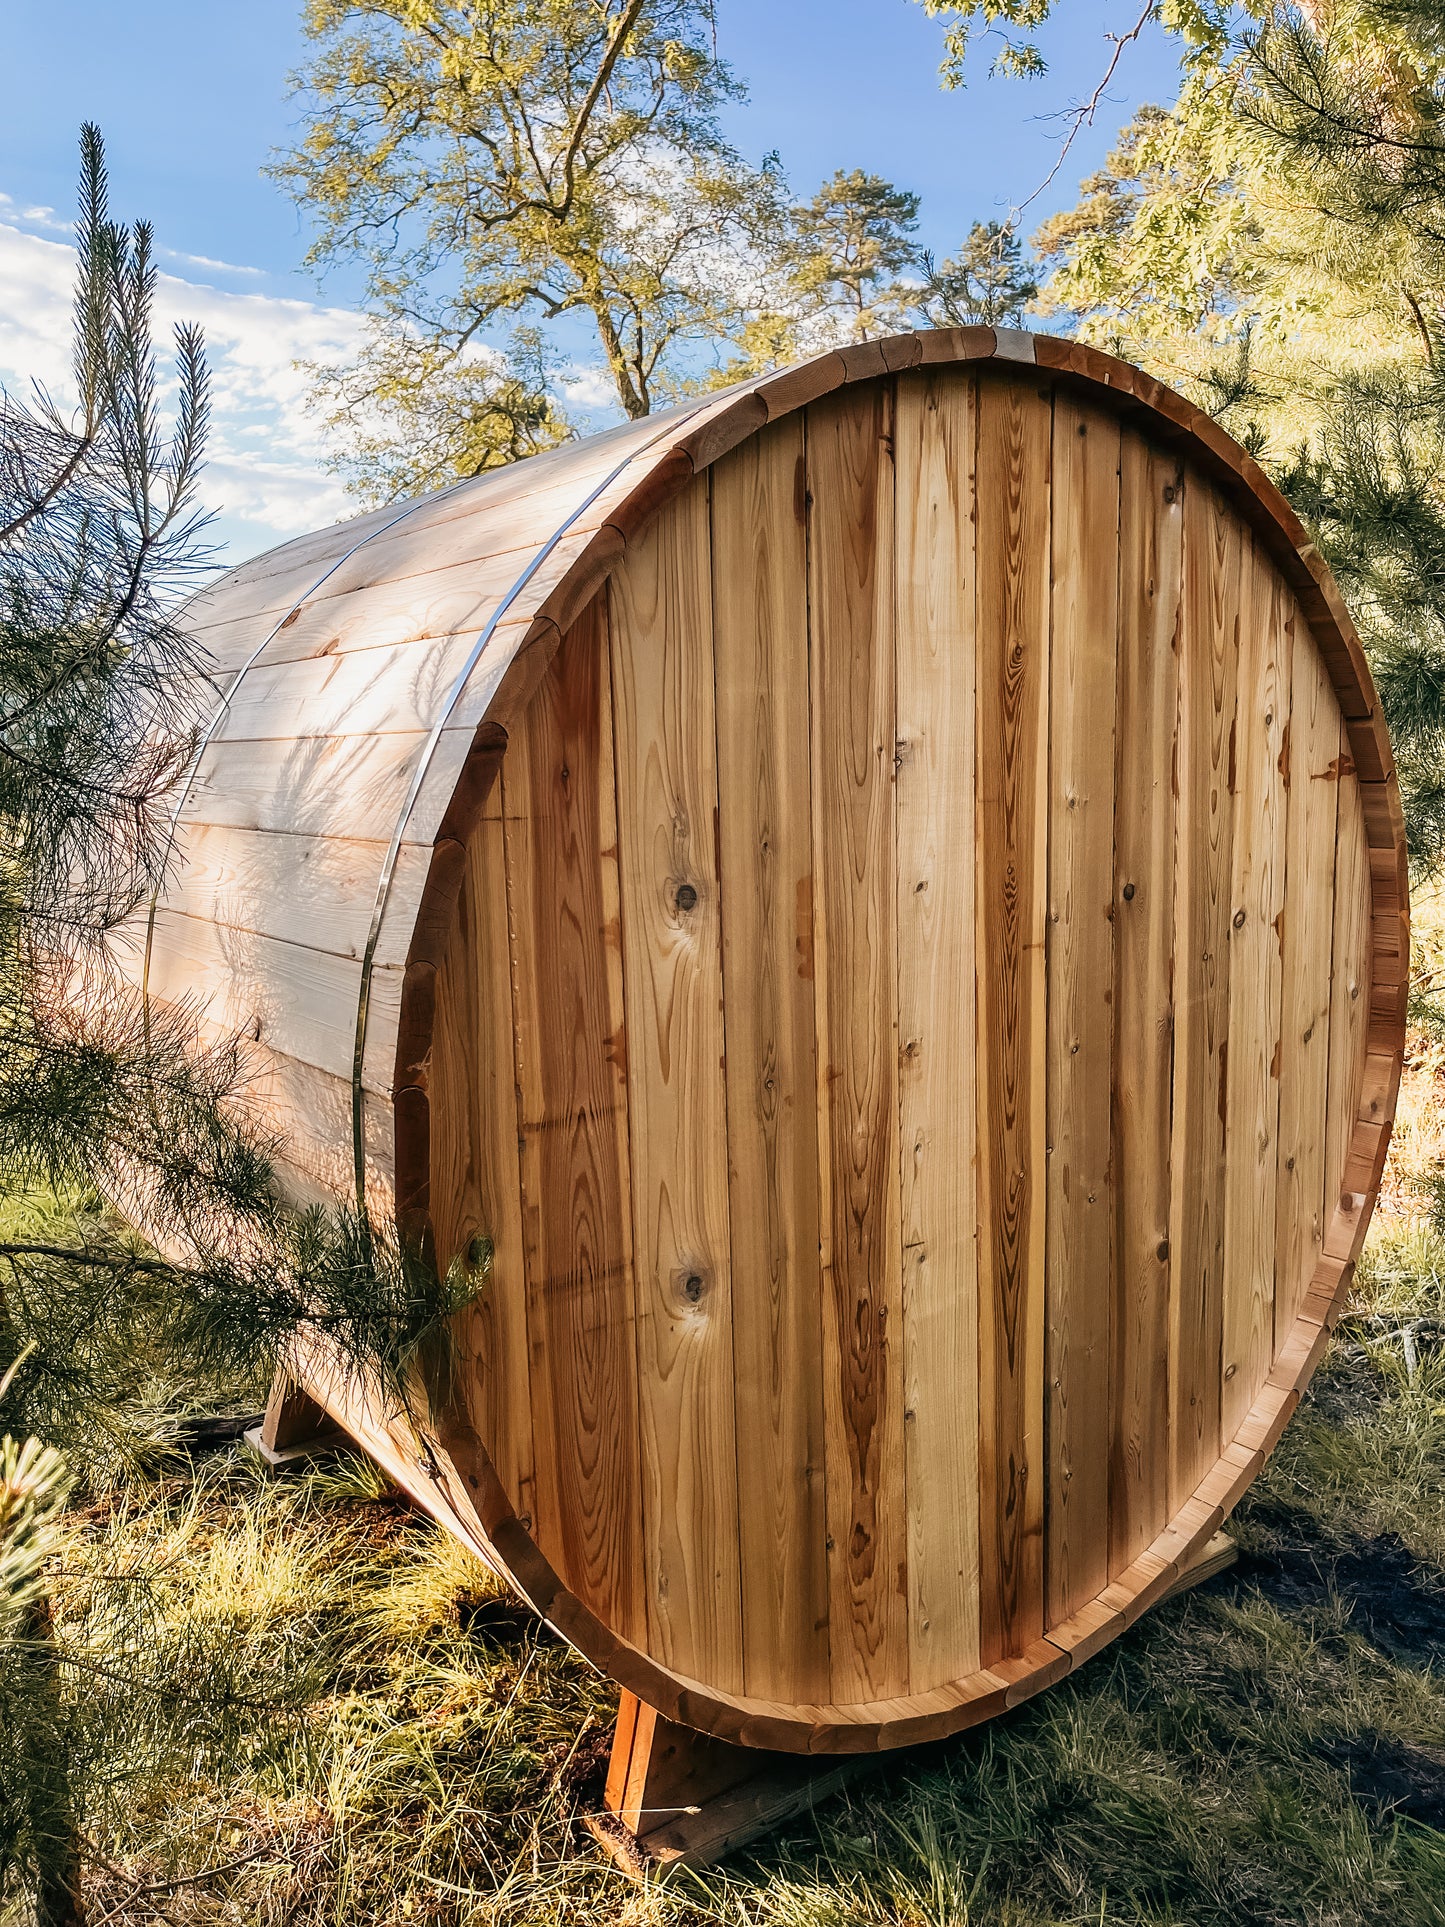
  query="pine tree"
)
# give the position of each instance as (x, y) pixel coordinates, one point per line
(850, 247)
(986, 284)
(102, 1095)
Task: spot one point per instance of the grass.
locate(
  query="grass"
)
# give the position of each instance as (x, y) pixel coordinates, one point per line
(350, 1724)
(1270, 1749)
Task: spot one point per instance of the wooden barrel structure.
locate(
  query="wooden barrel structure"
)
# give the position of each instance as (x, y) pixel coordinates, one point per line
(881, 895)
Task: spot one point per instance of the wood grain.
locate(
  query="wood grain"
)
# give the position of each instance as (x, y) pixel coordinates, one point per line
(1151, 519)
(1214, 549)
(1013, 645)
(1257, 884)
(667, 806)
(559, 813)
(935, 440)
(1349, 977)
(292, 998)
(850, 582)
(1313, 763)
(317, 754)
(476, 1162)
(760, 628)
(1080, 956)
(316, 890)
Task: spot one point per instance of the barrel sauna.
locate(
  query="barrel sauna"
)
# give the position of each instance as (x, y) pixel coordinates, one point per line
(880, 896)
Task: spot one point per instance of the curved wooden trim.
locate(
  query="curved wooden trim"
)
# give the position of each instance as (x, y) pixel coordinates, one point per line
(484, 1516)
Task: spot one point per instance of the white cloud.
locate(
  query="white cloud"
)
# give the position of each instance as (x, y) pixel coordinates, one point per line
(45, 217)
(266, 472)
(589, 388)
(205, 261)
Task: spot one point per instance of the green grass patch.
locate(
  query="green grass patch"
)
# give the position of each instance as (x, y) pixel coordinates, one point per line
(390, 1740)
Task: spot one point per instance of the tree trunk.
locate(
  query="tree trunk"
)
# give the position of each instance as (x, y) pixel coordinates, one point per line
(634, 402)
(44, 1763)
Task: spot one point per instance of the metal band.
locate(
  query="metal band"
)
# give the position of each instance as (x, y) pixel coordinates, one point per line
(388, 869)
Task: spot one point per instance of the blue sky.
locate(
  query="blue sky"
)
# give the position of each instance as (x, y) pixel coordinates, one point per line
(192, 98)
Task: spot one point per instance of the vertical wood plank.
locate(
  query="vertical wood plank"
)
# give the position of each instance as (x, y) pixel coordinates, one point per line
(1255, 986)
(476, 1169)
(1080, 1037)
(1011, 847)
(1214, 549)
(1313, 763)
(667, 812)
(935, 444)
(1349, 976)
(850, 576)
(559, 813)
(760, 640)
(1151, 524)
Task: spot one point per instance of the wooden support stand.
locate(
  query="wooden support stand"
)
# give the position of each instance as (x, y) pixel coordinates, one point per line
(295, 1428)
(679, 1798)
(675, 1797)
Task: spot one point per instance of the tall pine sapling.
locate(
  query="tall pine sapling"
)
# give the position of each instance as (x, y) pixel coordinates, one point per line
(102, 1095)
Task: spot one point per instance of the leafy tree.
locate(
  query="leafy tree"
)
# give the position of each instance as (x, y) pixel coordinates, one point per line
(1207, 27)
(985, 284)
(540, 160)
(1274, 243)
(101, 694)
(1009, 23)
(412, 415)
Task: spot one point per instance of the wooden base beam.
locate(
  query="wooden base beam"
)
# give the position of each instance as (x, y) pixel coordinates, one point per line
(679, 1798)
(1218, 1555)
(294, 1428)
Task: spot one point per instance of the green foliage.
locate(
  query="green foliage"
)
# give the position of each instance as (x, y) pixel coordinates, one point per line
(412, 414)
(1007, 22)
(1206, 27)
(519, 160)
(849, 249)
(985, 284)
(97, 529)
(34, 1485)
(102, 1094)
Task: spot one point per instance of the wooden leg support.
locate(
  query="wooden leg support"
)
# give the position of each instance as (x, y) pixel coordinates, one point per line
(1217, 1556)
(679, 1798)
(295, 1428)
(675, 1797)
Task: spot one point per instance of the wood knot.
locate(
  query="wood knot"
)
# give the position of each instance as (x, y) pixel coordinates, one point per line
(686, 898)
(692, 1287)
(1128, 893)
(1239, 919)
